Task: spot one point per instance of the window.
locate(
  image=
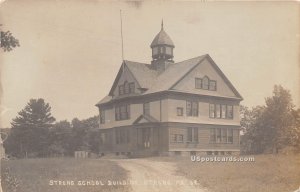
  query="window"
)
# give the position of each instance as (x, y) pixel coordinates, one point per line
(212, 85)
(161, 50)
(198, 83)
(177, 138)
(230, 135)
(221, 135)
(126, 88)
(218, 111)
(122, 112)
(169, 50)
(229, 111)
(121, 89)
(102, 116)
(179, 111)
(224, 135)
(212, 135)
(146, 108)
(205, 83)
(155, 51)
(223, 111)
(192, 133)
(218, 135)
(212, 110)
(192, 108)
(131, 87)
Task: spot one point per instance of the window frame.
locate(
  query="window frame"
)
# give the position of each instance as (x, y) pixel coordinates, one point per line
(179, 111)
(192, 135)
(122, 112)
(102, 116)
(192, 108)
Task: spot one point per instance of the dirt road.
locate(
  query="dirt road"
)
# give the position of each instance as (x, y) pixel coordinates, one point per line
(154, 176)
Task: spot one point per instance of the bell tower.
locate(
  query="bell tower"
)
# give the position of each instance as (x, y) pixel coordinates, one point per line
(162, 50)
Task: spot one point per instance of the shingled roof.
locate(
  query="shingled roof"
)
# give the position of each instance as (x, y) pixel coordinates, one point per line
(153, 82)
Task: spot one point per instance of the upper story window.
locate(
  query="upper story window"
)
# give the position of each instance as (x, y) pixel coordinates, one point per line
(179, 111)
(146, 108)
(126, 88)
(192, 108)
(169, 50)
(102, 116)
(122, 112)
(155, 51)
(221, 111)
(205, 83)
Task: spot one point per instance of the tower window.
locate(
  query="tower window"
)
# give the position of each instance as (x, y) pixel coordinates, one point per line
(168, 50)
(155, 51)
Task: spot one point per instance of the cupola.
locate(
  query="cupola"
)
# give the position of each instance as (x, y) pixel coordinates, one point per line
(162, 50)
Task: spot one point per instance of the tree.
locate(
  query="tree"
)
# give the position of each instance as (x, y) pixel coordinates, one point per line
(272, 127)
(8, 41)
(82, 137)
(59, 137)
(30, 129)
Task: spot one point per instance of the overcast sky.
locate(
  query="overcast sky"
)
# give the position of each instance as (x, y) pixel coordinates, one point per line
(70, 52)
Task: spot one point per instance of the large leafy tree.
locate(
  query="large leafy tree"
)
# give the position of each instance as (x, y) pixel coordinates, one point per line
(30, 129)
(274, 126)
(59, 137)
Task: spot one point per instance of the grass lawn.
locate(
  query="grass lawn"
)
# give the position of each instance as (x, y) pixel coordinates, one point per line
(37, 175)
(274, 173)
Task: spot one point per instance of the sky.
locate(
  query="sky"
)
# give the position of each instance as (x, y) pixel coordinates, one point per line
(70, 52)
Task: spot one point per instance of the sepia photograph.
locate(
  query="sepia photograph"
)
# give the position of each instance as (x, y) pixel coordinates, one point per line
(154, 96)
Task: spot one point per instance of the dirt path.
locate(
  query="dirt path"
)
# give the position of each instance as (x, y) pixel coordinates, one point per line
(153, 176)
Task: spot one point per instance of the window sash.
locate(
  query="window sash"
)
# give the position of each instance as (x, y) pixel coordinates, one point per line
(121, 89)
(198, 83)
(126, 87)
(122, 112)
(179, 111)
(205, 83)
(102, 116)
(212, 110)
(229, 111)
(223, 111)
(218, 111)
(131, 87)
(192, 134)
(188, 108)
(195, 108)
(212, 85)
(218, 139)
(213, 135)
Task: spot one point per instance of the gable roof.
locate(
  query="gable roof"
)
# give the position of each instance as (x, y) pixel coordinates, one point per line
(154, 82)
(148, 118)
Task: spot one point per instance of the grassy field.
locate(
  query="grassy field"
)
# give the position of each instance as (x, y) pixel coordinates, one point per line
(275, 173)
(39, 175)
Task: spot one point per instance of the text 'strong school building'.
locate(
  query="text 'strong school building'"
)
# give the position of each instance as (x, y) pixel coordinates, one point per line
(189, 107)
